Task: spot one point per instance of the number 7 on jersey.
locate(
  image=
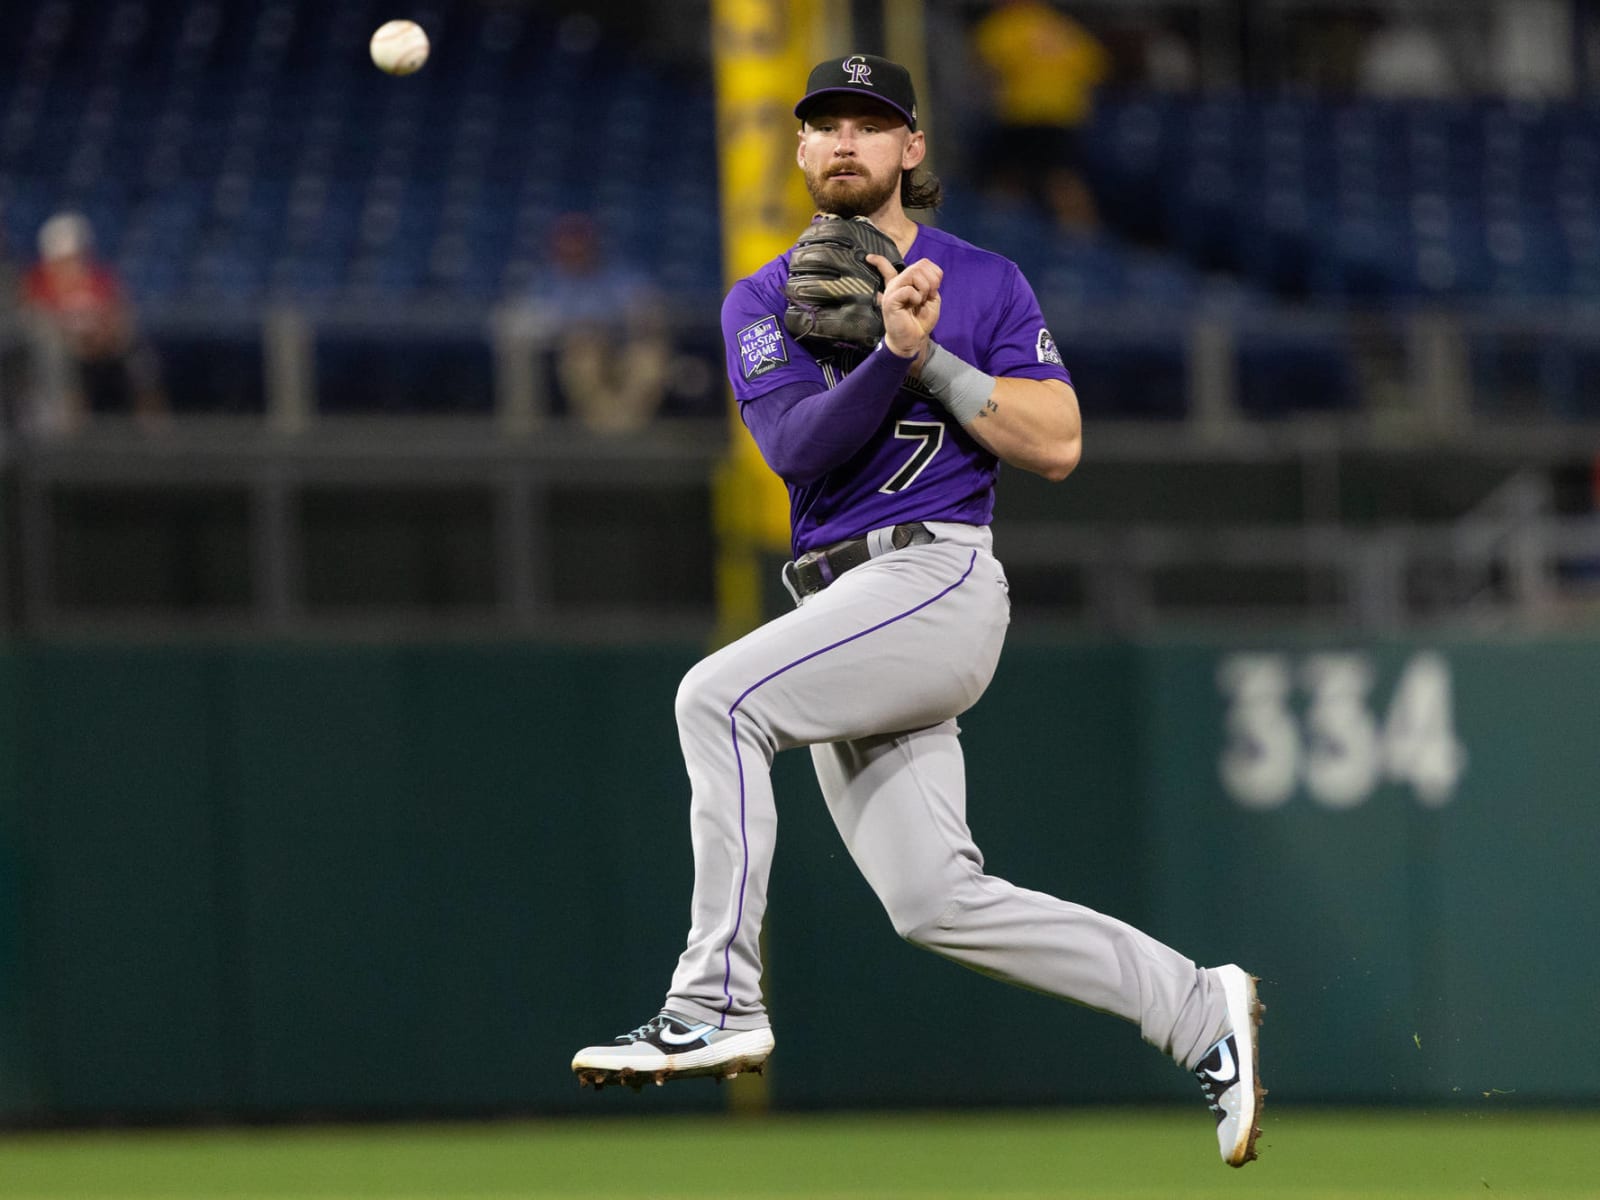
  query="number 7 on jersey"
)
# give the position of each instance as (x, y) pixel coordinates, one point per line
(931, 436)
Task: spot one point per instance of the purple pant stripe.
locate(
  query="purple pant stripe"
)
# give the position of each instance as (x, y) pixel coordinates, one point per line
(733, 729)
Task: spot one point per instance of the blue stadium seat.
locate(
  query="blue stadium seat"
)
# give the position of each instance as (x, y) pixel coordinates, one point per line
(374, 373)
(1139, 376)
(1281, 374)
(213, 373)
(1361, 201)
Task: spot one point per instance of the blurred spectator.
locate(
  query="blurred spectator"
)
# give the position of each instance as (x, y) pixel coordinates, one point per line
(1169, 60)
(1532, 47)
(1150, 50)
(82, 310)
(1406, 59)
(13, 342)
(612, 350)
(1044, 67)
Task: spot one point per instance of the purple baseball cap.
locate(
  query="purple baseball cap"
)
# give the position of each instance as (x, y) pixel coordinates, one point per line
(862, 75)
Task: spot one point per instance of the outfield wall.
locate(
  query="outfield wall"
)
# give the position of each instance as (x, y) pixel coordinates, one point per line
(251, 880)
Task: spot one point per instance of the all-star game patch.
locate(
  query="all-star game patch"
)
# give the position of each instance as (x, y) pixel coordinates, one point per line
(761, 348)
(1047, 349)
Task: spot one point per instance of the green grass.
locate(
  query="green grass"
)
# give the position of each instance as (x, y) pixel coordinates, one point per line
(1069, 1155)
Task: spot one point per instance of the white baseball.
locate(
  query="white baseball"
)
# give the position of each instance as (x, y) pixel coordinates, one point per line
(399, 47)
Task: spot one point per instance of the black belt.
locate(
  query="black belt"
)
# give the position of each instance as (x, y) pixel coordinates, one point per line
(816, 569)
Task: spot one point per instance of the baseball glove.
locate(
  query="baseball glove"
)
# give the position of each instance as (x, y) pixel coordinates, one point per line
(832, 289)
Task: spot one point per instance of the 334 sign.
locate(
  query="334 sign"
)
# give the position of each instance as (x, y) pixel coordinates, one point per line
(1313, 721)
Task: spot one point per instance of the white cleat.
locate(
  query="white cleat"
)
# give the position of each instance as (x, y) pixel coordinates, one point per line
(1230, 1072)
(670, 1047)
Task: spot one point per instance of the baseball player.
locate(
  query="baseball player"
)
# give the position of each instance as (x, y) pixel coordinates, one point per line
(886, 395)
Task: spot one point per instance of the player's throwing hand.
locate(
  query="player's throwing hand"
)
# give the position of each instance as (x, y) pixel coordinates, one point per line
(910, 304)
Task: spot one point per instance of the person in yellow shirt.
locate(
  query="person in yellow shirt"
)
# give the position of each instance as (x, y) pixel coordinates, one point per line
(1043, 68)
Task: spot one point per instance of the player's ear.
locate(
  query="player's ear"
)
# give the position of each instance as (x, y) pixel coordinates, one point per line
(916, 150)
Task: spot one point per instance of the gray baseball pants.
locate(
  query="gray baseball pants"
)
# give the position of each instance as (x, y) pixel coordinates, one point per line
(871, 674)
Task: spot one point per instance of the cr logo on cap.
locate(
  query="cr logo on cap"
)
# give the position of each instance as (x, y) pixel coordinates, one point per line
(860, 73)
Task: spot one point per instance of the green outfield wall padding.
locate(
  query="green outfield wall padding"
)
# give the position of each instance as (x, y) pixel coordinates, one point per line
(348, 879)
(15, 1072)
(128, 1002)
(1403, 928)
(454, 861)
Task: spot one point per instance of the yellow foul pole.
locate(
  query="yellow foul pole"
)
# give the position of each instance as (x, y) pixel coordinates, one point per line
(762, 50)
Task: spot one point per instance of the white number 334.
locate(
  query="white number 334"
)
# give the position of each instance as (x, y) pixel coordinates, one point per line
(1336, 746)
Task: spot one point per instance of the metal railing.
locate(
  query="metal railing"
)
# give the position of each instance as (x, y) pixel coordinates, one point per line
(526, 485)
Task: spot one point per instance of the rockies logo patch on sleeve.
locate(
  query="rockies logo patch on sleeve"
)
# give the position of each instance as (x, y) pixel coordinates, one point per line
(1047, 349)
(762, 348)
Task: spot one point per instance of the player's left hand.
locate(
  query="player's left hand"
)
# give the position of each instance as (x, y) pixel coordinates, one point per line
(910, 305)
(832, 290)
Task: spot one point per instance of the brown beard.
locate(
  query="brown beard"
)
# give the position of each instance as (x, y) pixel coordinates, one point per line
(859, 197)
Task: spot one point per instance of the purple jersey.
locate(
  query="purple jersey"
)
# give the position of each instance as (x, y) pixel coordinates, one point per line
(919, 465)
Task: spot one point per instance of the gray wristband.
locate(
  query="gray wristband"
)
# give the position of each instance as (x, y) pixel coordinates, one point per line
(956, 383)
